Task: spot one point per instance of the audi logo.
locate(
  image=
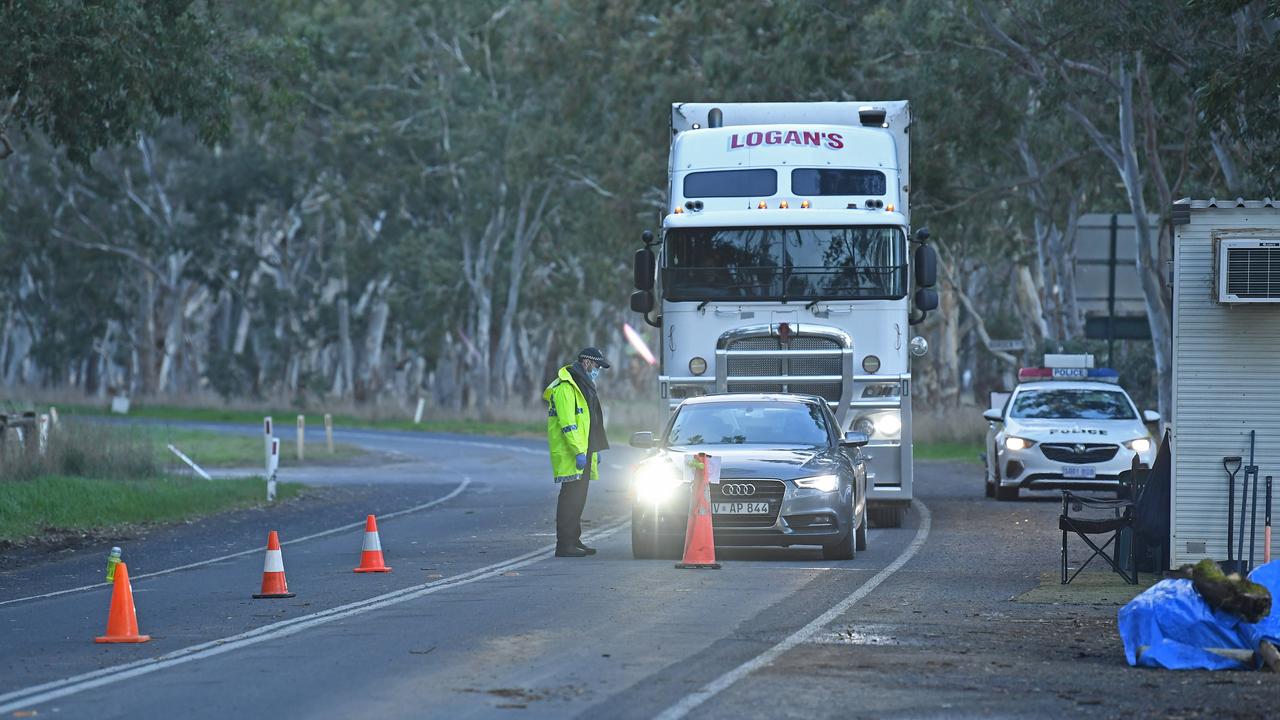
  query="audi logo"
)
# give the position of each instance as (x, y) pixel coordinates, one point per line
(737, 489)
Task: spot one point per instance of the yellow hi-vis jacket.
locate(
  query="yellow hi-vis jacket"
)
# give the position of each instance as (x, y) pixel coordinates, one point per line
(568, 427)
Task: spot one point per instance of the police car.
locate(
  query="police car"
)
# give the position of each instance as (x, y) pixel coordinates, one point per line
(1068, 425)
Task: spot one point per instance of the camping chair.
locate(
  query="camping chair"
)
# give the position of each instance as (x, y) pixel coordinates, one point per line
(1123, 518)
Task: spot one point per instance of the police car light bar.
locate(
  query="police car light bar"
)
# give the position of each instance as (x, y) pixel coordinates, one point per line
(1067, 373)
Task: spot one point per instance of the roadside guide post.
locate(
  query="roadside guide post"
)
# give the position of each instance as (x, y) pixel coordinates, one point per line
(44, 434)
(328, 432)
(266, 441)
(417, 414)
(273, 464)
(302, 435)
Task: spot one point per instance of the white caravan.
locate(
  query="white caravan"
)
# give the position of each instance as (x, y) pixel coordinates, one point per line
(784, 266)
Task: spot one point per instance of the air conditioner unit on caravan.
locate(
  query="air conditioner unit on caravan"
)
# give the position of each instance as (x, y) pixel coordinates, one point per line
(1249, 271)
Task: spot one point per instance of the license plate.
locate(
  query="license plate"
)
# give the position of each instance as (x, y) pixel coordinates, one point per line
(740, 508)
(1079, 471)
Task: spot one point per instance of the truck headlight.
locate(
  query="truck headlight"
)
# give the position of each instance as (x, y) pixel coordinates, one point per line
(1017, 443)
(656, 481)
(1140, 445)
(884, 424)
(889, 424)
(821, 483)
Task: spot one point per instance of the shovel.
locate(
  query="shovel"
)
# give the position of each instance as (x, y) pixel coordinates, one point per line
(1232, 465)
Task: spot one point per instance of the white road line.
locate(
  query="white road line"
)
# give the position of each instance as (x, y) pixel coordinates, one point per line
(711, 689)
(38, 694)
(324, 533)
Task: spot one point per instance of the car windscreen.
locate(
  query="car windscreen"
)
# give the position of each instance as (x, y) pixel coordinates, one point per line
(1072, 404)
(749, 423)
(830, 263)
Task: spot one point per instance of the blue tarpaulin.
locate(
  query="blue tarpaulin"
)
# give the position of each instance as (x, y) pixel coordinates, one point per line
(1172, 625)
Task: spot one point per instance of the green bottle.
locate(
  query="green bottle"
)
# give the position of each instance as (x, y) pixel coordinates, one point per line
(112, 561)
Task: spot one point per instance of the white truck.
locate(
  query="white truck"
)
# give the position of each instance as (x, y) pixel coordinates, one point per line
(784, 266)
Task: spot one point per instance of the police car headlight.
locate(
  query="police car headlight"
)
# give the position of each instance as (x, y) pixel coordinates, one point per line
(1139, 445)
(821, 483)
(656, 481)
(1017, 443)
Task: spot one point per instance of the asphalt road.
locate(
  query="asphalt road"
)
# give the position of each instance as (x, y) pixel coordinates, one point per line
(477, 618)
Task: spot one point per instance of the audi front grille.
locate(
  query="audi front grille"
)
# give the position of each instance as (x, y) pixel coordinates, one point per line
(770, 491)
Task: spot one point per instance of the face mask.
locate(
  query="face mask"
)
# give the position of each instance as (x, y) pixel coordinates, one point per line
(593, 374)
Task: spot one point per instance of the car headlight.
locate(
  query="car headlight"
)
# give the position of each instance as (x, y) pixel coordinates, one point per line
(821, 483)
(1017, 443)
(1140, 445)
(656, 481)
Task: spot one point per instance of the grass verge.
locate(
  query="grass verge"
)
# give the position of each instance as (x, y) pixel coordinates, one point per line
(30, 509)
(215, 449)
(951, 451)
(465, 426)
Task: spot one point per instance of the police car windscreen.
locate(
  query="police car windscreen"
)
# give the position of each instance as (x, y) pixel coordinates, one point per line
(758, 182)
(836, 181)
(1069, 404)
(830, 263)
(745, 423)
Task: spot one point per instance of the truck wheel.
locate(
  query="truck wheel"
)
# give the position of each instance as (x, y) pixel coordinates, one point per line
(887, 516)
(860, 539)
(644, 546)
(843, 550)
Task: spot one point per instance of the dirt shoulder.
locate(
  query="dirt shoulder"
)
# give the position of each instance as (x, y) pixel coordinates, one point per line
(968, 629)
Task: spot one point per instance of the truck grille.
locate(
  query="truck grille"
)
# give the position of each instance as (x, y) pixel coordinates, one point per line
(790, 367)
(766, 490)
(1079, 454)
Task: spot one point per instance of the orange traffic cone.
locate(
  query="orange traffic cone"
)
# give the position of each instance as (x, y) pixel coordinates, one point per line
(273, 582)
(371, 554)
(699, 537)
(122, 622)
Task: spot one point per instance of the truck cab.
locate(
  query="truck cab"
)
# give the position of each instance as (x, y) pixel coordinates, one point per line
(785, 264)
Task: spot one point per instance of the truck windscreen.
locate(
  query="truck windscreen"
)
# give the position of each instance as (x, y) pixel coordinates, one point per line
(830, 263)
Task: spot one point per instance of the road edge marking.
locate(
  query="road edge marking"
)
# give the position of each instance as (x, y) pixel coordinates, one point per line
(466, 481)
(56, 689)
(691, 701)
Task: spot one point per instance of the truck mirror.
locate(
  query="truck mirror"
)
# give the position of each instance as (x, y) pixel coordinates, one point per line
(922, 235)
(926, 266)
(645, 264)
(926, 299)
(642, 302)
(646, 237)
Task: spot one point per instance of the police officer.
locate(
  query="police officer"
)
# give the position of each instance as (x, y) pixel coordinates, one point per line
(575, 436)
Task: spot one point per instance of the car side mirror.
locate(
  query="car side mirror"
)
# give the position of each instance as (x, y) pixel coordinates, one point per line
(993, 415)
(642, 301)
(855, 439)
(642, 440)
(1150, 416)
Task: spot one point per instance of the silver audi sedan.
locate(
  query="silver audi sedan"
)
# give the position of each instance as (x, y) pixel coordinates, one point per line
(787, 476)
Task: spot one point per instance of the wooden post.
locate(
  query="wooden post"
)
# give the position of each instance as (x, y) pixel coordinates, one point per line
(328, 431)
(266, 441)
(302, 435)
(44, 434)
(417, 415)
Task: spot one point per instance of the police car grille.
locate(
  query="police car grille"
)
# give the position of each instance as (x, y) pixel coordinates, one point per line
(789, 367)
(1082, 454)
(770, 491)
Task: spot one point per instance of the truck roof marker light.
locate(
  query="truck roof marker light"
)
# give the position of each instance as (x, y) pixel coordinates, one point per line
(762, 205)
(804, 204)
(678, 211)
(784, 205)
(888, 207)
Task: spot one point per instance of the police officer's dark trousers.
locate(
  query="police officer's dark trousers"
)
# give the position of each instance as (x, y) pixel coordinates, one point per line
(573, 499)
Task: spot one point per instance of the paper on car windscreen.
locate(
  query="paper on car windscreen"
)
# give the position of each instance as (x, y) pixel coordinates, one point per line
(713, 467)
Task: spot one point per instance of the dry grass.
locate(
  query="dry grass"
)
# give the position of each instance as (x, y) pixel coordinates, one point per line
(80, 449)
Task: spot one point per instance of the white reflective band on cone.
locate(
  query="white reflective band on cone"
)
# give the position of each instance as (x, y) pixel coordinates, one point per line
(274, 562)
(371, 542)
